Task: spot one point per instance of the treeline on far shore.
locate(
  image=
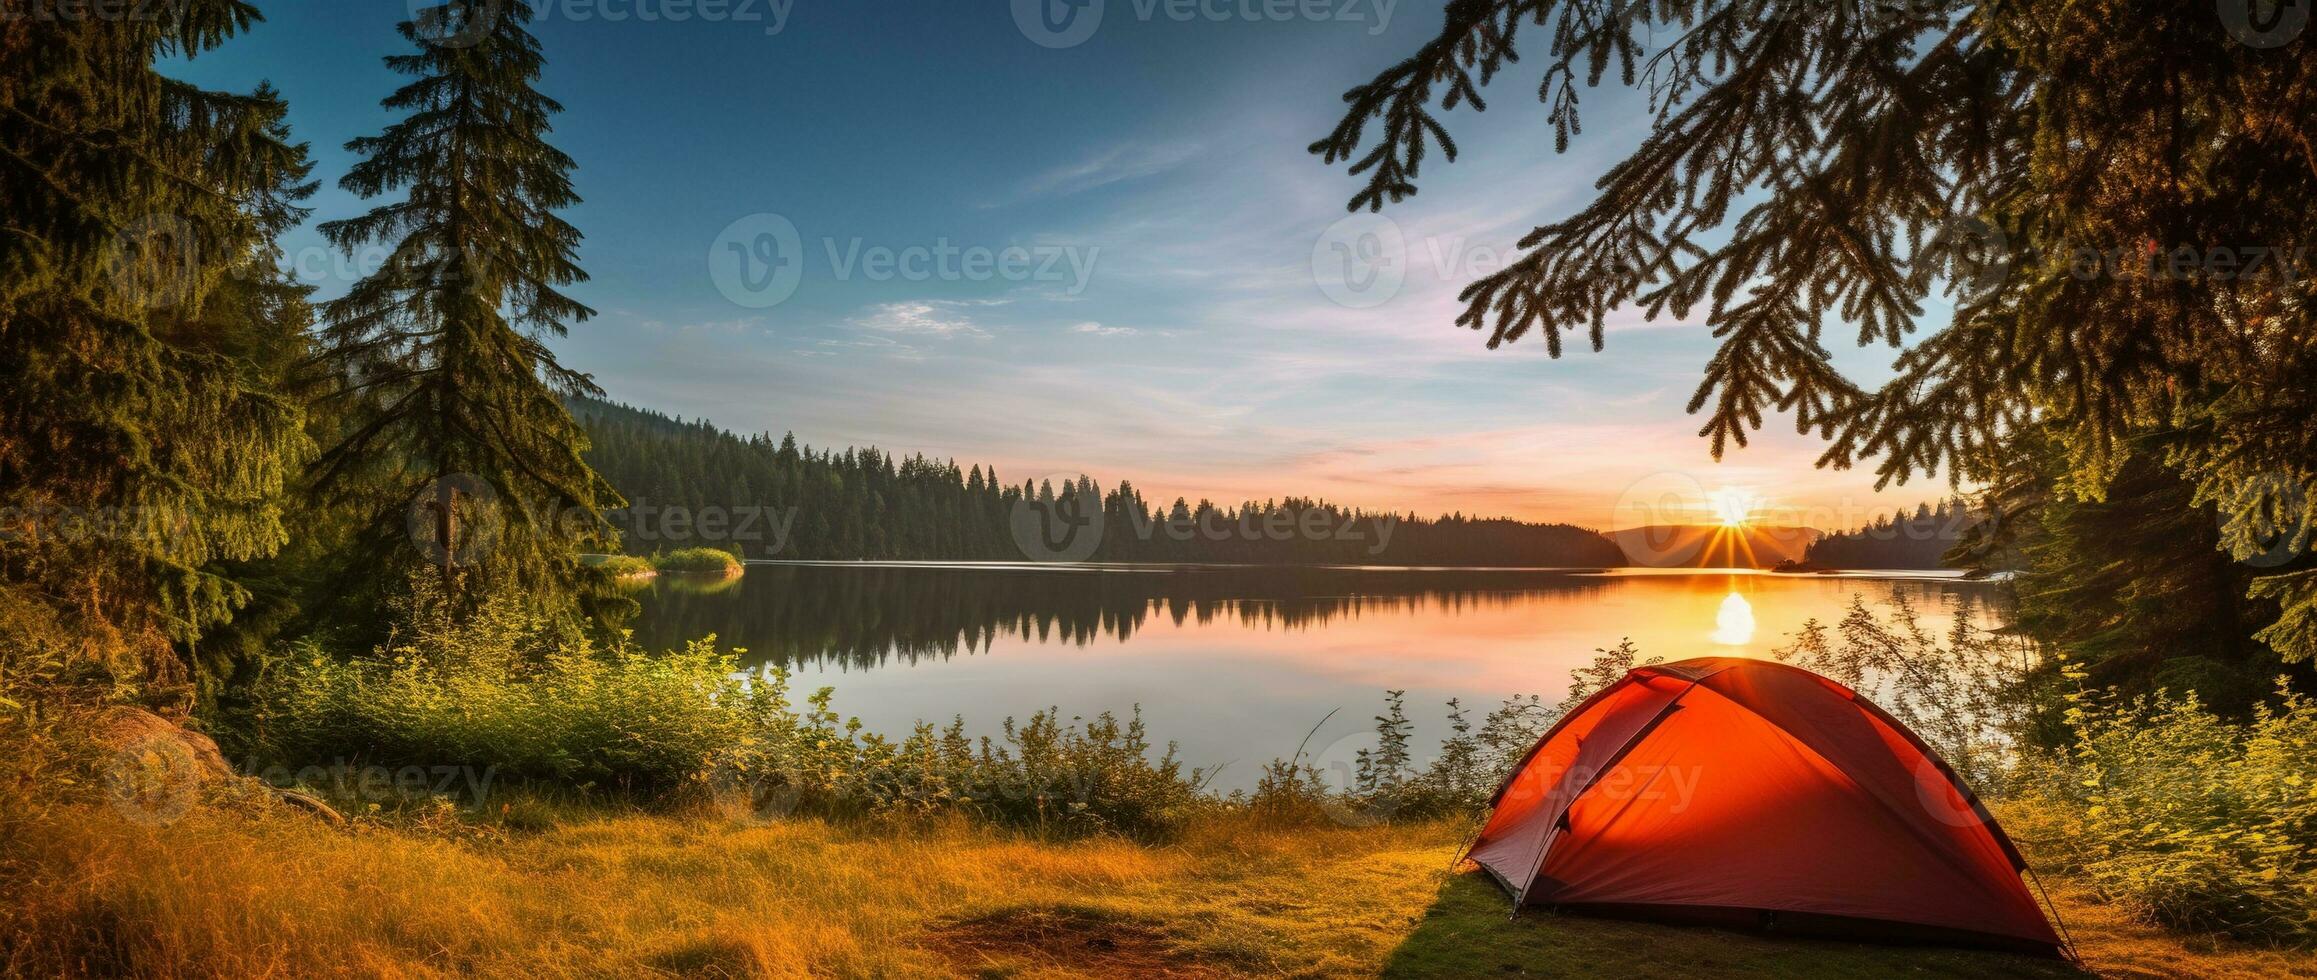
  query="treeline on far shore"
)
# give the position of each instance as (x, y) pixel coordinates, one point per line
(689, 483)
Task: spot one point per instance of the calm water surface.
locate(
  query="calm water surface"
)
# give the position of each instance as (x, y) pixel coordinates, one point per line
(1234, 663)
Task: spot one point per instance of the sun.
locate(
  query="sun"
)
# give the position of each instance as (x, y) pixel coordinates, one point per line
(1733, 506)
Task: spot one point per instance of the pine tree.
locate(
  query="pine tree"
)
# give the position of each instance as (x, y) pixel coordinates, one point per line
(263, 318)
(142, 443)
(2118, 195)
(460, 451)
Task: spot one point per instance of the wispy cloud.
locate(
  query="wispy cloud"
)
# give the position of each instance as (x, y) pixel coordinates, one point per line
(1116, 164)
(1099, 330)
(923, 318)
(886, 346)
(725, 326)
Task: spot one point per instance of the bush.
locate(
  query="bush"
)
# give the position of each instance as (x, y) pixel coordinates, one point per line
(622, 721)
(504, 698)
(1968, 693)
(1043, 775)
(713, 560)
(2185, 819)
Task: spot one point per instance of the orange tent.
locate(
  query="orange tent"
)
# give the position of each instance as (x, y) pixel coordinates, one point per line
(1750, 793)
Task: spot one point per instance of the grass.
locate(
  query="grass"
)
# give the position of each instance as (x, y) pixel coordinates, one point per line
(84, 891)
(1466, 932)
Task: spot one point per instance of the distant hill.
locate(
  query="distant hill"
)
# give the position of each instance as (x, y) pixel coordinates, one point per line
(689, 483)
(1713, 545)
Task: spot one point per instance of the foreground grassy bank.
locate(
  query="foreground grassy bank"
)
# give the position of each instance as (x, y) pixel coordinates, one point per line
(86, 891)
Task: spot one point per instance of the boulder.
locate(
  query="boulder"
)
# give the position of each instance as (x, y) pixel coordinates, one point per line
(155, 769)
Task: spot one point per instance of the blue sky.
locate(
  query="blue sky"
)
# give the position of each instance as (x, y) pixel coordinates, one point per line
(1098, 257)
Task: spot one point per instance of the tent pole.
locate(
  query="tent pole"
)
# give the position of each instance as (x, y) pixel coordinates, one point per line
(1561, 820)
(2074, 956)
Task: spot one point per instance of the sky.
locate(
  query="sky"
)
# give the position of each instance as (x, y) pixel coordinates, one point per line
(1086, 243)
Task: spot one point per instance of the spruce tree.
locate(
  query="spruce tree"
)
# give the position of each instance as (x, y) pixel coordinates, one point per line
(2118, 196)
(459, 452)
(143, 442)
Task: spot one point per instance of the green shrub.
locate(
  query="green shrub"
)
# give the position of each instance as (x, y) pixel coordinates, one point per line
(1292, 795)
(2186, 819)
(1044, 775)
(502, 694)
(698, 560)
(621, 721)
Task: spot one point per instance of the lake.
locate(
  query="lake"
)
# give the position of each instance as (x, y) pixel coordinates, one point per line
(1237, 663)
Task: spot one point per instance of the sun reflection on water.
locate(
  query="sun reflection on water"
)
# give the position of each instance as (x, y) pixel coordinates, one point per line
(1734, 622)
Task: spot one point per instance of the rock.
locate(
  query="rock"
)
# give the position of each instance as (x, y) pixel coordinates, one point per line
(154, 769)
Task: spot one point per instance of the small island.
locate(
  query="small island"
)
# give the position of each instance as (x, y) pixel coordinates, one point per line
(687, 561)
(700, 561)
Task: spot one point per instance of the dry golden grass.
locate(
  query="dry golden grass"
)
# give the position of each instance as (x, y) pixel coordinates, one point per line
(2116, 946)
(88, 892)
(224, 894)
